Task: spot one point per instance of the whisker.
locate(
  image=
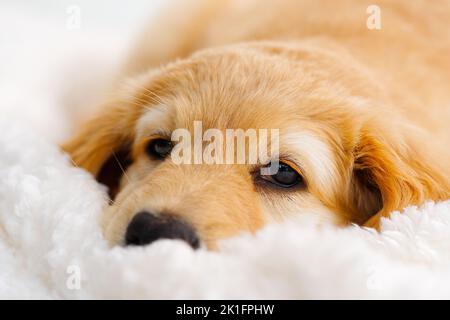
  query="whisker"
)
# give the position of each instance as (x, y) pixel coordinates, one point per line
(120, 166)
(133, 191)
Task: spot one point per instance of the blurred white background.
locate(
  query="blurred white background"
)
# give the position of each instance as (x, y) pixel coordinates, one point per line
(57, 57)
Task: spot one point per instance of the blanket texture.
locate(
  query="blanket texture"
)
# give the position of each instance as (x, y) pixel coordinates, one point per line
(51, 245)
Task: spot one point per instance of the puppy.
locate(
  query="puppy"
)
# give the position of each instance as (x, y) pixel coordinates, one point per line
(363, 116)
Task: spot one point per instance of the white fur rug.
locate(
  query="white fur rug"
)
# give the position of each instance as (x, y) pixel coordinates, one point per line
(51, 245)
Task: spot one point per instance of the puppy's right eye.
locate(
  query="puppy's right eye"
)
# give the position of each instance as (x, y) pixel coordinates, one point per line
(159, 148)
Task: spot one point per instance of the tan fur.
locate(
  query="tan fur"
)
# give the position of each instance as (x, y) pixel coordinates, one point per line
(379, 100)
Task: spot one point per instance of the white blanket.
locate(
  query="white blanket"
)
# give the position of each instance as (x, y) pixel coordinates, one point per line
(51, 245)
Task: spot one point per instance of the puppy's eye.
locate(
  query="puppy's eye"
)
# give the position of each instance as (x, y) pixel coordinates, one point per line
(159, 148)
(286, 176)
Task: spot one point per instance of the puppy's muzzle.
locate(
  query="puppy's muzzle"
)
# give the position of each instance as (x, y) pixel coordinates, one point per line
(146, 228)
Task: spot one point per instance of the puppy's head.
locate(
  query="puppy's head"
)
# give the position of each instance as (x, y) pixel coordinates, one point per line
(343, 155)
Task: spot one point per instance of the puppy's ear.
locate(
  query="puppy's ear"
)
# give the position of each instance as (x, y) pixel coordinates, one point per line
(394, 169)
(102, 145)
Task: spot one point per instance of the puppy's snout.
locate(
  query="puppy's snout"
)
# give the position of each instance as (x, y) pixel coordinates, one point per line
(146, 228)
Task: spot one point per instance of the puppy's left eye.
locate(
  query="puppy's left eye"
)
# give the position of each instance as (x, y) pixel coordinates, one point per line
(159, 148)
(286, 177)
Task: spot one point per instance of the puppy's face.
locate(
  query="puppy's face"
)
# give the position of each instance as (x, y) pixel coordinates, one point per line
(330, 164)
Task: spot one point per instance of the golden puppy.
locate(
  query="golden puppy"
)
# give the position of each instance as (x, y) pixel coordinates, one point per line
(360, 95)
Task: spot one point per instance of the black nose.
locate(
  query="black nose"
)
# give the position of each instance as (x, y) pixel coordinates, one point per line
(145, 228)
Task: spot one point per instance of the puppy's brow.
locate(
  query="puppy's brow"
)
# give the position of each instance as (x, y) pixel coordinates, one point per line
(153, 122)
(314, 153)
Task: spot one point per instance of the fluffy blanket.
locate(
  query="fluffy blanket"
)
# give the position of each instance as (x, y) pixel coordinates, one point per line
(51, 244)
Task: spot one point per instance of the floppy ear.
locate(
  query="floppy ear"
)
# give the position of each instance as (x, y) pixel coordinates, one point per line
(397, 168)
(102, 145)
